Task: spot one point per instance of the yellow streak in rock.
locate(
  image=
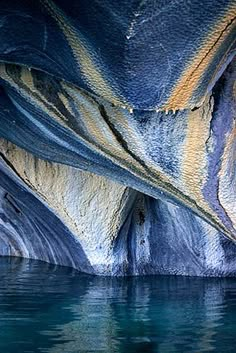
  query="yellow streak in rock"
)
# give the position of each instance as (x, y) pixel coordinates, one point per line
(227, 185)
(81, 54)
(194, 163)
(65, 102)
(191, 77)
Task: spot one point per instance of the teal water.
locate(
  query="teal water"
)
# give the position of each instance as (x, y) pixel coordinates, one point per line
(45, 308)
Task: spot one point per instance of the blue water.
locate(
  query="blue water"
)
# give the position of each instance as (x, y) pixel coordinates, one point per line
(45, 308)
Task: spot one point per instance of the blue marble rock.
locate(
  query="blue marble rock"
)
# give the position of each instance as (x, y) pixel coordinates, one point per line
(118, 135)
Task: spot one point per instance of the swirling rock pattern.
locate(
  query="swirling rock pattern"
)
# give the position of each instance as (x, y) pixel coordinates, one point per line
(141, 93)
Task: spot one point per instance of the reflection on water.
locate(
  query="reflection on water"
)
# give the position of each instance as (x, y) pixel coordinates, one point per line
(45, 308)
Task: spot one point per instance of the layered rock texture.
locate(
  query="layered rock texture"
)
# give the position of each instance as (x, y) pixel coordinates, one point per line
(118, 135)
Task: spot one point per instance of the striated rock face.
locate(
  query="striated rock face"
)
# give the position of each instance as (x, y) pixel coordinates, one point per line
(60, 214)
(118, 126)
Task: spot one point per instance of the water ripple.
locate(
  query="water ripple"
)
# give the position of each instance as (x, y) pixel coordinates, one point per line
(50, 309)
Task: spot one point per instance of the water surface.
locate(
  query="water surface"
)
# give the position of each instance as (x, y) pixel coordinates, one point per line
(46, 308)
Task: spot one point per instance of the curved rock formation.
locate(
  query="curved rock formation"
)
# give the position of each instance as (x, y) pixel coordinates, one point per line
(118, 150)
